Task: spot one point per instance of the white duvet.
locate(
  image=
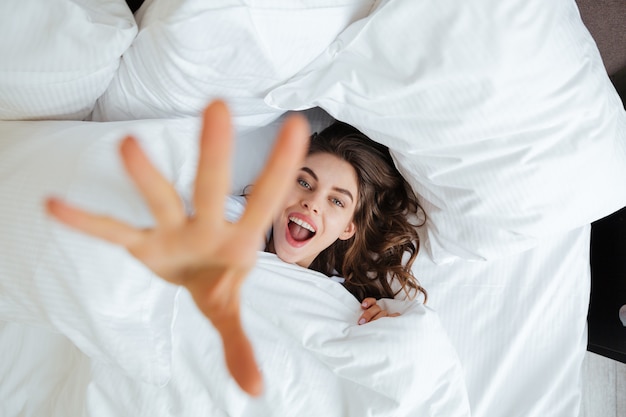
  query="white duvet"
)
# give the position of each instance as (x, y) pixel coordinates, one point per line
(314, 359)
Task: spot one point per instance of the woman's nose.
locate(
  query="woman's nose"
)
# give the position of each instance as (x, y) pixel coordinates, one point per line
(311, 204)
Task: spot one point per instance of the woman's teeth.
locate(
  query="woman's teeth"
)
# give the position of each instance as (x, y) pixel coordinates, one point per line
(302, 223)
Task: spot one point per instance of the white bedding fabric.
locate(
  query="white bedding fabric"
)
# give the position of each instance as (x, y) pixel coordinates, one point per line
(500, 114)
(520, 358)
(519, 325)
(190, 51)
(84, 288)
(315, 360)
(59, 56)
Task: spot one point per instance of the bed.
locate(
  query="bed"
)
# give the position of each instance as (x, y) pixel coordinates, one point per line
(501, 115)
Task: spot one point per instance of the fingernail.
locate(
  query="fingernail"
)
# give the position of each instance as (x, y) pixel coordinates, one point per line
(364, 303)
(362, 321)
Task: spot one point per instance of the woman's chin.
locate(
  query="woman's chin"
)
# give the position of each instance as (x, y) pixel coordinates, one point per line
(293, 257)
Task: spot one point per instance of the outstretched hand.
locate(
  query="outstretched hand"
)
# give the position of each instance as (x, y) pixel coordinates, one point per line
(204, 253)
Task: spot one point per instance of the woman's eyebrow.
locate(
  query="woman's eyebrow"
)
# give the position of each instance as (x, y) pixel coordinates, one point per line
(310, 172)
(338, 189)
(345, 192)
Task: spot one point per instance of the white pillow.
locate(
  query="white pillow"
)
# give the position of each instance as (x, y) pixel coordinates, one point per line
(59, 55)
(95, 293)
(191, 51)
(500, 114)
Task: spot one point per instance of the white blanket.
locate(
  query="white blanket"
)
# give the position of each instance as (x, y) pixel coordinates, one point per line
(314, 358)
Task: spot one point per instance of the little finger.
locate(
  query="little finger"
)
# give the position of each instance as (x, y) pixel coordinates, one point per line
(102, 227)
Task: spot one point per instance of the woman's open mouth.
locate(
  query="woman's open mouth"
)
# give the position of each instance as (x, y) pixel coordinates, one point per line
(299, 231)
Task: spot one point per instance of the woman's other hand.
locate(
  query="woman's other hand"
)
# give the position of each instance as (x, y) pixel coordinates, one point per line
(204, 253)
(372, 311)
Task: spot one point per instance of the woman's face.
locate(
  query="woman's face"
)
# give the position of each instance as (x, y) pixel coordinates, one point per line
(318, 211)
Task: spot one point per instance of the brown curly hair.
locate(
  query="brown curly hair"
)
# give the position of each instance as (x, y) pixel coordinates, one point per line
(380, 254)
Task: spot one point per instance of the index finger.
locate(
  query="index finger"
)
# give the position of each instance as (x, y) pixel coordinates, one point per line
(273, 183)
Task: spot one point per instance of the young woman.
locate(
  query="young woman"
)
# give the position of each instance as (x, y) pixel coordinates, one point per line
(349, 183)
(370, 253)
(341, 210)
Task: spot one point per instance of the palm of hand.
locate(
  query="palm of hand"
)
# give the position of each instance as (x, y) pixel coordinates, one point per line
(204, 253)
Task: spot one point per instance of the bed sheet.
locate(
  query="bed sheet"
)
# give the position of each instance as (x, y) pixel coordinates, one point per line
(519, 325)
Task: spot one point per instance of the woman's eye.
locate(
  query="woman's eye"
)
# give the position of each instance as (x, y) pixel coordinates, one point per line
(304, 184)
(337, 202)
